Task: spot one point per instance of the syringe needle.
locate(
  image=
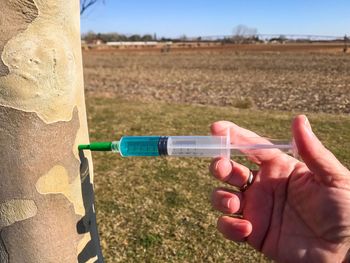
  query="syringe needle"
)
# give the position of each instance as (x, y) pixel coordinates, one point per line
(96, 146)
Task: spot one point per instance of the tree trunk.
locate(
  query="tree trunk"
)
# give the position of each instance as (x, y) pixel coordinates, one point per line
(46, 192)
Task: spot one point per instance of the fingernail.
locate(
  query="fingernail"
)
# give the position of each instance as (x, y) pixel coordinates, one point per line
(224, 165)
(217, 165)
(226, 202)
(307, 123)
(308, 127)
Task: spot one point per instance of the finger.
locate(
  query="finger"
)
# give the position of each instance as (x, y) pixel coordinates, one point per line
(229, 171)
(243, 137)
(225, 201)
(234, 229)
(317, 158)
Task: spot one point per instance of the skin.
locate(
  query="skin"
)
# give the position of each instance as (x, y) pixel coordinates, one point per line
(294, 211)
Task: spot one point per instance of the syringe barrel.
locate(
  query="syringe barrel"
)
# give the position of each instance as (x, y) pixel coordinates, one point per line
(180, 146)
(197, 146)
(139, 146)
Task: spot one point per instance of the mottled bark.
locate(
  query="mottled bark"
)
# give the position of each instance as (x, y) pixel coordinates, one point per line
(46, 191)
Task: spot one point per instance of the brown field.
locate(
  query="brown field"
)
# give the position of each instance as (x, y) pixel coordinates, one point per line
(303, 78)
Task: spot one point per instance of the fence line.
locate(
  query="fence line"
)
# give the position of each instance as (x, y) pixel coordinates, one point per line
(266, 37)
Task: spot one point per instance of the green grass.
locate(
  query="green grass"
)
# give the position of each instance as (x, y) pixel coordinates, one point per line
(158, 209)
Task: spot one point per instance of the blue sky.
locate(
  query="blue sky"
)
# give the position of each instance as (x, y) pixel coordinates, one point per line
(209, 17)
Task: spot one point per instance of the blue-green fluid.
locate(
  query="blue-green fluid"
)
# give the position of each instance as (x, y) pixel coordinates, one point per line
(139, 146)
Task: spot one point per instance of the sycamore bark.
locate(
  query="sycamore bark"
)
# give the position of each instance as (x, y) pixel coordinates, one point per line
(46, 190)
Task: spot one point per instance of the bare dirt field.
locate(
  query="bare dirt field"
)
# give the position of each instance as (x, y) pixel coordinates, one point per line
(302, 78)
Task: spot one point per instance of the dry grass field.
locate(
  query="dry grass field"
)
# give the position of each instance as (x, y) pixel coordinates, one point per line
(158, 209)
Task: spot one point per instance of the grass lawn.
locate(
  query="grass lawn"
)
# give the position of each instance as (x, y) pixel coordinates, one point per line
(158, 209)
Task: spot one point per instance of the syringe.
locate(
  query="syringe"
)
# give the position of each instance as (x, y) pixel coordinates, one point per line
(189, 146)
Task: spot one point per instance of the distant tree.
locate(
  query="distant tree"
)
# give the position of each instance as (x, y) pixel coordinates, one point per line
(280, 39)
(165, 39)
(99, 36)
(86, 4)
(243, 33)
(109, 37)
(183, 38)
(123, 38)
(89, 37)
(135, 38)
(147, 37)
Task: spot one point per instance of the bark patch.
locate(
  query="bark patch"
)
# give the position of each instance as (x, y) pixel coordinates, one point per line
(56, 181)
(14, 19)
(16, 210)
(30, 148)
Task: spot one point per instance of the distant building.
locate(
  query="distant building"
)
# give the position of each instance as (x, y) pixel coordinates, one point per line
(132, 43)
(98, 42)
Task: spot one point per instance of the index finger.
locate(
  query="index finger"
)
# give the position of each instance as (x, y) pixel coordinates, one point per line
(243, 137)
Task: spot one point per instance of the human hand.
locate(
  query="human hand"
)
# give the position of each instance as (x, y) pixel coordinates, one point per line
(293, 211)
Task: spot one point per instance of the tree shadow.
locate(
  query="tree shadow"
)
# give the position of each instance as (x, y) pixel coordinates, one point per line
(88, 223)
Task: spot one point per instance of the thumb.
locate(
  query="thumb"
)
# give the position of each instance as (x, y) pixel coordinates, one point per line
(318, 159)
